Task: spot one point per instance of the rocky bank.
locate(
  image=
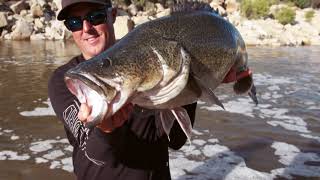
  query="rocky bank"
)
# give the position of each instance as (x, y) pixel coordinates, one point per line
(36, 20)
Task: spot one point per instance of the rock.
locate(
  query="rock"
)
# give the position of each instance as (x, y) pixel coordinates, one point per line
(140, 19)
(4, 8)
(163, 13)
(56, 31)
(23, 13)
(22, 30)
(57, 4)
(3, 20)
(36, 10)
(19, 6)
(159, 7)
(122, 26)
(235, 18)
(38, 24)
(121, 12)
(133, 10)
(316, 21)
(37, 37)
(7, 36)
(232, 6)
(315, 4)
(3, 33)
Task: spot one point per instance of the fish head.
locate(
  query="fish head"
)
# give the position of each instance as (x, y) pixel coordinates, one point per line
(94, 84)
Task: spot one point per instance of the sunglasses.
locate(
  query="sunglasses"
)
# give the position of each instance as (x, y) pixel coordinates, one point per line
(94, 18)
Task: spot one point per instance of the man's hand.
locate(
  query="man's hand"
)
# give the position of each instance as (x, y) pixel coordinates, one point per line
(107, 125)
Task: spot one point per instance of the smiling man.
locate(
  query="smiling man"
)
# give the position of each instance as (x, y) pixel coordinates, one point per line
(131, 145)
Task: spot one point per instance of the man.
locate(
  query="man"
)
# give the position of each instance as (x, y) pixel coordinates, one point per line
(135, 147)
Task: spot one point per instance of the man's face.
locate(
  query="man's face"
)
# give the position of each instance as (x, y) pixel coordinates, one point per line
(93, 39)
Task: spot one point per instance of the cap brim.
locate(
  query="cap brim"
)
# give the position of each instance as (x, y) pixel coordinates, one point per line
(62, 15)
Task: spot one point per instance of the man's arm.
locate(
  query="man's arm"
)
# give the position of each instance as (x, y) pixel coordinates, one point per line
(94, 143)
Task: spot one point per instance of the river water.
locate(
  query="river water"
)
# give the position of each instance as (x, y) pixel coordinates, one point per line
(278, 139)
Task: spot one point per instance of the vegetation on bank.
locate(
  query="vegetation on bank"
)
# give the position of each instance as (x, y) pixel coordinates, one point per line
(285, 15)
(257, 9)
(309, 15)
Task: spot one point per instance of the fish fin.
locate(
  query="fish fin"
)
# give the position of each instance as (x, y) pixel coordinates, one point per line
(184, 121)
(207, 94)
(253, 94)
(167, 120)
(182, 6)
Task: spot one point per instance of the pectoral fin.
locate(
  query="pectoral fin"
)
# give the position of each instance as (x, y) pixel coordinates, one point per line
(167, 120)
(184, 121)
(181, 115)
(253, 94)
(207, 94)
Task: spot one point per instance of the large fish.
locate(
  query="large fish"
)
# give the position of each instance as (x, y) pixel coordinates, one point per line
(164, 64)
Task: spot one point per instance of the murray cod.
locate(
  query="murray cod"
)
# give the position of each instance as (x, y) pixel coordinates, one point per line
(164, 64)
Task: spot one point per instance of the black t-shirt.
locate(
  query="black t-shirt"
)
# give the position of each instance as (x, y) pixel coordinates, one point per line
(138, 150)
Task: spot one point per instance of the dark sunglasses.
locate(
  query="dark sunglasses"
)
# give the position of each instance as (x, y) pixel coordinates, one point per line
(94, 18)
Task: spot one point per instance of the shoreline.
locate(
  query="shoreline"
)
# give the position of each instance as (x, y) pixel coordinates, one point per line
(32, 21)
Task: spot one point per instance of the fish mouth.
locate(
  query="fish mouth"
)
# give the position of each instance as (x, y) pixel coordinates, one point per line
(88, 92)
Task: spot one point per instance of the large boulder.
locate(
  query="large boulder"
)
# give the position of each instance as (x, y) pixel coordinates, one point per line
(22, 30)
(140, 19)
(56, 31)
(122, 26)
(36, 10)
(19, 6)
(3, 20)
(232, 6)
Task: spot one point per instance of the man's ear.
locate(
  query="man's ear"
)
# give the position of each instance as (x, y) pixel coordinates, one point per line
(114, 14)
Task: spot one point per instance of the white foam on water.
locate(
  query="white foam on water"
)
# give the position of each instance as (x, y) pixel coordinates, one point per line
(67, 164)
(296, 161)
(241, 106)
(55, 165)
(7, 131)
(309, 136)
(196, 132)
(212, 150)
(41, 146)
(11, 155)
(53, 154)
(199, 142)
(40, 111)
(14, 137)
(40, 160)
(222, 164)
(45, 145)
(69, 148)
(213, 141)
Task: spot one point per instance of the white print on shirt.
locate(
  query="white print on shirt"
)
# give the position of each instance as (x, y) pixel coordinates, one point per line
(70, 115)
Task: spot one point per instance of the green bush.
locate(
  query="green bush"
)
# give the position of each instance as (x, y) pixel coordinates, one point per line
(255, 9)
(301, 3)
(309, 15)
(285, 15)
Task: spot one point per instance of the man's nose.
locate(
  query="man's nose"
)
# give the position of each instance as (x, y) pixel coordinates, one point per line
(87, 26)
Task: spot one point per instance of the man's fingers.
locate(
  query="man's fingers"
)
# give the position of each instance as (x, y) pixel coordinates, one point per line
(84, 112)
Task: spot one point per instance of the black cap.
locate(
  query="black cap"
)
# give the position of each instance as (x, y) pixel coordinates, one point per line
(66, 4)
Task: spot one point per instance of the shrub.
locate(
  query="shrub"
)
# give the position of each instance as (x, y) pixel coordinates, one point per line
(309, 15)
(301, 3)
(254, 9)
(285, 15)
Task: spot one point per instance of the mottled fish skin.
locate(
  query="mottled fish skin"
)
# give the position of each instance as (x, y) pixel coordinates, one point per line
(154, 54)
